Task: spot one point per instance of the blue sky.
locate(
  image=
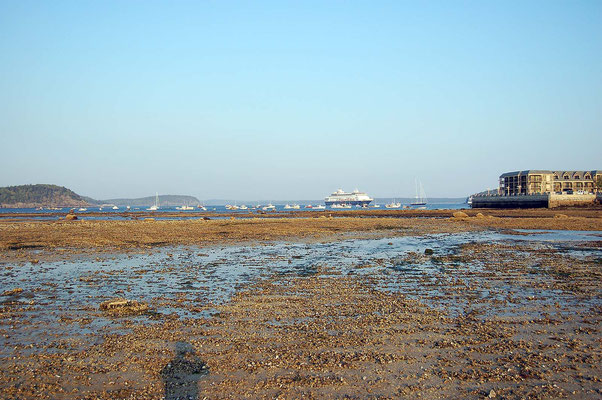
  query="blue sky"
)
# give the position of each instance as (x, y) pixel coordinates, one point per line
(284, 100)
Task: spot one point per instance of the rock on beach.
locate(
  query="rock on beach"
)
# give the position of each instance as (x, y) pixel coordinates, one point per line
(460, 215)
(123, 306)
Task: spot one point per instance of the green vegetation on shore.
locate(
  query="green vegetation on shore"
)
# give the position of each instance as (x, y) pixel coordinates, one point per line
(40, 195)
(43, 195)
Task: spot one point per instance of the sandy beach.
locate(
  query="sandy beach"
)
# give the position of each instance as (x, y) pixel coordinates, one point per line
(148, 231)
(499, 305)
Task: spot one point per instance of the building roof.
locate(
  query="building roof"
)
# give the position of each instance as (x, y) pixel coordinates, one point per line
(560, 174)
(525, 172)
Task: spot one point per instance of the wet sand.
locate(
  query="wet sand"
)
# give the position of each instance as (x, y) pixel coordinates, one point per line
(303, 308)
(103, 235)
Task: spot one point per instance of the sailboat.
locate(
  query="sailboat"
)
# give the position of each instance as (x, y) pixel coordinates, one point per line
(420, 200)
(393, 204)
(155, 207)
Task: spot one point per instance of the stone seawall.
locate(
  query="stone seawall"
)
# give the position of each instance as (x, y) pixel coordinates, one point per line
(567, 200)
(531, 201)
(551, 200)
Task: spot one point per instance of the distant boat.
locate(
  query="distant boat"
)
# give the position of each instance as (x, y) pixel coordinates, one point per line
(269, 207)
(354, 198)
(340, 205)
(320, 207)
(295, 206)
(115, 208)
(376, 206)
(127, 207)
(185, 208)
(287, 207)
(420, 200)
(244, 207)
(393, 204)
(82, 209)
(201, 207)
(155, 206)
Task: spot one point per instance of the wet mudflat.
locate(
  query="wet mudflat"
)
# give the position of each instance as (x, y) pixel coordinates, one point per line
(92, 237)
(468, 314)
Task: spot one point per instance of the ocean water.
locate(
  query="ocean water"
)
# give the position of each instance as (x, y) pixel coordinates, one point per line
(110, 214)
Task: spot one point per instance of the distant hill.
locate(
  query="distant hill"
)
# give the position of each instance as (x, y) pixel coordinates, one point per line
(41, 195)
(168, 200)
(30, 196)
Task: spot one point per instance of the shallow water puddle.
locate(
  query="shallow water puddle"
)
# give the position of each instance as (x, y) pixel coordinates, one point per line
(63, 297)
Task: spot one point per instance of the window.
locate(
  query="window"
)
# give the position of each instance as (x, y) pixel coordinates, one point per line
(566, 176)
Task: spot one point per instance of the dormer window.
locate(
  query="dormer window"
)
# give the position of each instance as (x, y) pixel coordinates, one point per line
(566, 176)
(587, 176)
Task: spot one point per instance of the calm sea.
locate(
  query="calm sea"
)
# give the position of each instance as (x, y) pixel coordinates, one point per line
(110, 214)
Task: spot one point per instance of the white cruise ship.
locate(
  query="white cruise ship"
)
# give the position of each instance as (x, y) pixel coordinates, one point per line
(354, 198)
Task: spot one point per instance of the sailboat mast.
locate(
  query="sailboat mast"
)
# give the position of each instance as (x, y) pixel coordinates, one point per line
(420, 198)
(416, 183)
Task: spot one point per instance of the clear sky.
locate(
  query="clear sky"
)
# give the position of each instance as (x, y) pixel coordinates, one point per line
(292, 100)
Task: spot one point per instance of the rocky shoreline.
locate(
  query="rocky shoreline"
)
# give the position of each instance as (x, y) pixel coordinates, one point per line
(302, 308)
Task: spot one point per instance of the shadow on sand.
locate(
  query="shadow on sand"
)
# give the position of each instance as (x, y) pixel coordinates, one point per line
(182, 374)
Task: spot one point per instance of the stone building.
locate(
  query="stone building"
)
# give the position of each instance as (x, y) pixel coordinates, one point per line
(542, 182)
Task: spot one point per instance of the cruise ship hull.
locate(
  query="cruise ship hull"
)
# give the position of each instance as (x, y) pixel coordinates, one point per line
(355, 198)
(350, 202)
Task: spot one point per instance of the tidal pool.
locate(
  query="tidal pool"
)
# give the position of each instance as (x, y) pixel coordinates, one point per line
(61, 298)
